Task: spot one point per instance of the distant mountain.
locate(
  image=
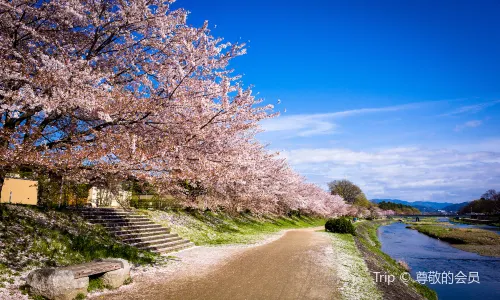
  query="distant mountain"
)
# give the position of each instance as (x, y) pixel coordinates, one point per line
(423, 208)
(426, 206)
(456, 207)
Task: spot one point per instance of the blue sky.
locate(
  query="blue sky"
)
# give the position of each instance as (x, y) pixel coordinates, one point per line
(401, 97)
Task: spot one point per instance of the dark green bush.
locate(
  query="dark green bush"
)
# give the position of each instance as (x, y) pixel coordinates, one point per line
(340, 225)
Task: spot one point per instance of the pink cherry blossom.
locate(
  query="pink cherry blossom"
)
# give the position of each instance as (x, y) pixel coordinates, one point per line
(109, 90)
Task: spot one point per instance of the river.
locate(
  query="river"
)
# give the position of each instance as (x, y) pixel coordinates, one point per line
(426, 254)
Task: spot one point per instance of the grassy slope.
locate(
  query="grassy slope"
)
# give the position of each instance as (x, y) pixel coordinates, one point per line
(210, 228)
(379, 261)
(31, 237)
(465, 221)
(357, 282)
(480, 241)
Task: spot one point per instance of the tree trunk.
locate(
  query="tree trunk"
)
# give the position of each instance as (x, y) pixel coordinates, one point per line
(2, 179)
(3, 172)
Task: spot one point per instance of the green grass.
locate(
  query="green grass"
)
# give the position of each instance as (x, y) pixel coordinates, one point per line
(467, 221)
(80, 297)
(96, 284)
(6, 275)
(48, 238)
(215, 228)
(423, 221)
(459, 235)
(367, 235)
(479, 241)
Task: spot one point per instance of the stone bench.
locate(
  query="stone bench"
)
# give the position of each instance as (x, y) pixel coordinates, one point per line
(66, 283)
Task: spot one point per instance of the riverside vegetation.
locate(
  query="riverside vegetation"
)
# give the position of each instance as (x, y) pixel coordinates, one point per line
(359, 250)
(377, 261)
(479, 241)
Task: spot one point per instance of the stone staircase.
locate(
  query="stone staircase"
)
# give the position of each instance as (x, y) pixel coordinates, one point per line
(135, 230)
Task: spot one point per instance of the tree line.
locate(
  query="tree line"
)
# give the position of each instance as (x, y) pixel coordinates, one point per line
(398, 208)
(489, 203)
(360, 206)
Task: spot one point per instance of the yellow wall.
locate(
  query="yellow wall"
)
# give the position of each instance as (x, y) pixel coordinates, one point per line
(23, 191)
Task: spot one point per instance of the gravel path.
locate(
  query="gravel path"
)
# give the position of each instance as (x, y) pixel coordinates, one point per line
(297, 265)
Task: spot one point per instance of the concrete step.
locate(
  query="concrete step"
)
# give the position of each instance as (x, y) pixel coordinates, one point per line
(142, 234)
(113, 216)
(107, 214)
(115, 225)
(175, 248)
(166, 245)
(135, 229)
(123, 227)
(120, 220)
(149, 237)
(161, 241)
(97, 210)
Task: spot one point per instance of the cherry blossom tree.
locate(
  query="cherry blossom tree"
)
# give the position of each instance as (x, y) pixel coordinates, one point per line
(94, 90)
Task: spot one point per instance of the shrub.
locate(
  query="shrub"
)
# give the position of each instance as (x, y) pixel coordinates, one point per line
(340, 225)
(80, 296)
(96, 284)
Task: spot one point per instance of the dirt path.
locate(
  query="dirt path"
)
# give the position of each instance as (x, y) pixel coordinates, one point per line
(298, 265)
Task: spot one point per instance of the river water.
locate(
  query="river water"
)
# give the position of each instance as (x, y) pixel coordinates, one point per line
(426, 254)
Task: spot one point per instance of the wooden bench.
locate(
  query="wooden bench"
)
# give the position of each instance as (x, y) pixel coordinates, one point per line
(66, 283)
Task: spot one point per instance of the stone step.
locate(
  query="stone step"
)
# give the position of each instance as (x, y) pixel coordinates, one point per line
(89, 214)
(127, 224)
(95, 209)
(142, 234)
(166, 245)
(117, 231)
(110, 216)
(123, 227)
(149, 237)
(113, 216)
(120, 220)
(161, 241)
(175, 248)
(135, 229)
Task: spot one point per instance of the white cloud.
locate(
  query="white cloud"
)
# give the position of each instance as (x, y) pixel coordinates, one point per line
(469, 124)
(302, 125)
(407, 173)
(488, 145)
(470, 109)
(320, 124)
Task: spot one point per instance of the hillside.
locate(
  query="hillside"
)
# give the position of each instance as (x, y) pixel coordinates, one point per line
(456, 207)
(398, 208)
